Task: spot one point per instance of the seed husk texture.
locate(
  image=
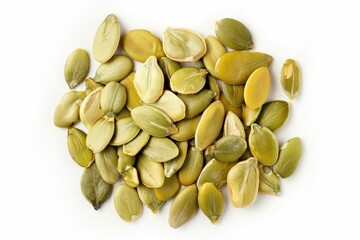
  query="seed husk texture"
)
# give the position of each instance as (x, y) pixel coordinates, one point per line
(175, 117)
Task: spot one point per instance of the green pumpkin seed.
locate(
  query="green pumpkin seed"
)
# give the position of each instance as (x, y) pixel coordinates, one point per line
(169, 189)
(234, 94)
(151, 173)
(237, 66)
(133, 100)
(100, 134)
(214, 51)
(172, 105)
(125, 161)
(153, 121)
(290, 78)
(160, 149)
(125, 131)
(116, 69)
(66, 112)
(273, 114)
(289, 157)
(233, 126)
(214, 172)
(188, 80)
(127, 203)
(209, 154)
(131, 177)
(192, 166)
(183, 45)
(257, 88)
(233, 34)
(107, 38)
(148, 197)
(140, 44)
(76, 67)
(211, 202)
(184, 206)
(134, 146)
(76, 142)
(269, 181)
(249, 115)
(168, 67)
(107, 161)
(263, 145)
(229, 148)
(243, 183)
(94, 188)
(210, 125)
(229, 107)
(149, 81)
(90, 111)
(112, 98)
(196, 103)
(214, 86)
(172, 166)
(186, 129)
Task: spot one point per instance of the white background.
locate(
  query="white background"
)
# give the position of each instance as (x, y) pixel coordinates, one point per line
(40, 195)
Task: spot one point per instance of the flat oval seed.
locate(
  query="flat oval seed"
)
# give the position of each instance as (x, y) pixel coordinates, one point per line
(100, 134)
(106, 39)
(131, 177)
(149, 81)
(186, 129)
(169, 67)
(196, 103)
(79, 152)
(214, 51)
(289, 157)
(269, 181)
(233, 34)
(192, 166)
(169, 189)
(172, 166)
(229, 148)
(172, 105)
(211, 202)
(153, 121)
(93, 187)
(160, 149)
(214, 86)
(112, 98)
(243, 183)
(148, 197)
(184, 206)
(66, 112)
(214, 172)
(125, 131)
(133, 99)
(249, 115)
(125, 161)
(228, 107)
(210, 125)
(234, 94)
(90, 111)
(290, 78)
(257, 88)
(140, 44)
(151, 173)
(263, 145)
(91, 85)
(76, 67)
(273, 114)
(127, 203)
(183, 45)
(115, 69)
(134, 146)
(188, 80)
(233, 126)
(236, 67)
(107, 161)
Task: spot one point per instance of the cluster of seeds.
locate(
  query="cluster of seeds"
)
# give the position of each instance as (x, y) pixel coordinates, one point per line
(192, 118)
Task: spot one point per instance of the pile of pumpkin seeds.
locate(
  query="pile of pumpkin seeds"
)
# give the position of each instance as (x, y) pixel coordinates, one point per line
(193, 117)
